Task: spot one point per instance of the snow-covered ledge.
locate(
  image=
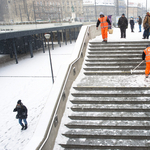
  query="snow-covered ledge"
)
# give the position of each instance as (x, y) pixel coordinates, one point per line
(46, 131)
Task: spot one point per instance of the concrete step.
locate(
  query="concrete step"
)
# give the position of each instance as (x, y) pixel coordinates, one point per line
(111, 108)
(138, 60)
(109, 124)
(112, 69)
(126, 43)
(111, 90)
(108, 95)
(114, 64)
(115, 116)
(109, 134)
(117, 48)
(106, 144)
(107, 102)
(81, 88)
(115, 56)
(110, 101)
(112, 73)
(121, 52)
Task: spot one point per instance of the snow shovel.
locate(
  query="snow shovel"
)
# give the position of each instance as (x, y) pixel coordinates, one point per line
(137, 66)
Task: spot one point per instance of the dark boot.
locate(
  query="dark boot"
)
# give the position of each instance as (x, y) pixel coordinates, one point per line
(22, 127)
(26, 126)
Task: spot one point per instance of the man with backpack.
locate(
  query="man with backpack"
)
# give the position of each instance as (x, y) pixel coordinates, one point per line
(123, 25)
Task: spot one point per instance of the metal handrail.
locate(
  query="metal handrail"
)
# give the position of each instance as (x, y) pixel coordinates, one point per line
(58, 103)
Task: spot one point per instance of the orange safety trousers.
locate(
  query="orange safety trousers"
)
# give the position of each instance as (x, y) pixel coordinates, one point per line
(147, 70)
(104, 32)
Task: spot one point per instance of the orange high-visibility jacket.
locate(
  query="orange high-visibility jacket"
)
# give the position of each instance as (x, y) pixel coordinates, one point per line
(103, 21)
(147, 54)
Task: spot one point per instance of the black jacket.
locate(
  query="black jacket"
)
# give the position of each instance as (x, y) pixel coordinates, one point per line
(143, 56)
(22, 112)
(123, 23)
(132, 22)
(98, 22)
(140, 21)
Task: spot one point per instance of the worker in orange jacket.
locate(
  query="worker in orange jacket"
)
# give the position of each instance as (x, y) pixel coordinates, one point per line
(146, 57)
(103, 21)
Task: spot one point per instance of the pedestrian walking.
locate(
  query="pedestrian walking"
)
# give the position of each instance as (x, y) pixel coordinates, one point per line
(132, 24)
(123, 25)
(146, 57)
(103, 21)
(146, 25)
(22, 114)
(140, 23)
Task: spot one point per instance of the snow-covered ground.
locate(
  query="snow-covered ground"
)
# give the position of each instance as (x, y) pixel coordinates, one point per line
(30, 81)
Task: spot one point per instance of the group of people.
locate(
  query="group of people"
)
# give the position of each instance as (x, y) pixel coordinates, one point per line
(123, 25)
(103, 21)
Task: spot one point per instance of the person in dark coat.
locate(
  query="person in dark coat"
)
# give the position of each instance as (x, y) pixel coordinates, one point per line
(132, 24)
(123, 25)
(146, 25)
(140, 23)
(22, 114)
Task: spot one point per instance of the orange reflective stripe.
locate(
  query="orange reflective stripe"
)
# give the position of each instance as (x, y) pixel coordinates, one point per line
(104, 23)
(147, 53)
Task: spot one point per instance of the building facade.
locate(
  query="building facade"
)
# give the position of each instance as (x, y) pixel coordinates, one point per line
(72, 6)
(135, 10)
(93, 8)
(47, 11)
(30, 10)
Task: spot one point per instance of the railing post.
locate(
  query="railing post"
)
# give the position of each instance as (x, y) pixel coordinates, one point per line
(65, 36)
(43, 43)
(52, 40)
(15, 51)
(58, 36)
(75, 34)
(70, 36)
(30, 46)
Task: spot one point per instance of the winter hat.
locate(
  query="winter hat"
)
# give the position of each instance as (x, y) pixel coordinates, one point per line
(101, 13)
(19, 102)
(123, 14)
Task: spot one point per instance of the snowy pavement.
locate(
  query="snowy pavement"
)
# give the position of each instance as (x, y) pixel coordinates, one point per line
(30, 81)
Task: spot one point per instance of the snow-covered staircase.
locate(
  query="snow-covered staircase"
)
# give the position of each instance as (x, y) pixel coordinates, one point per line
(105, 111)
(114, 58)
